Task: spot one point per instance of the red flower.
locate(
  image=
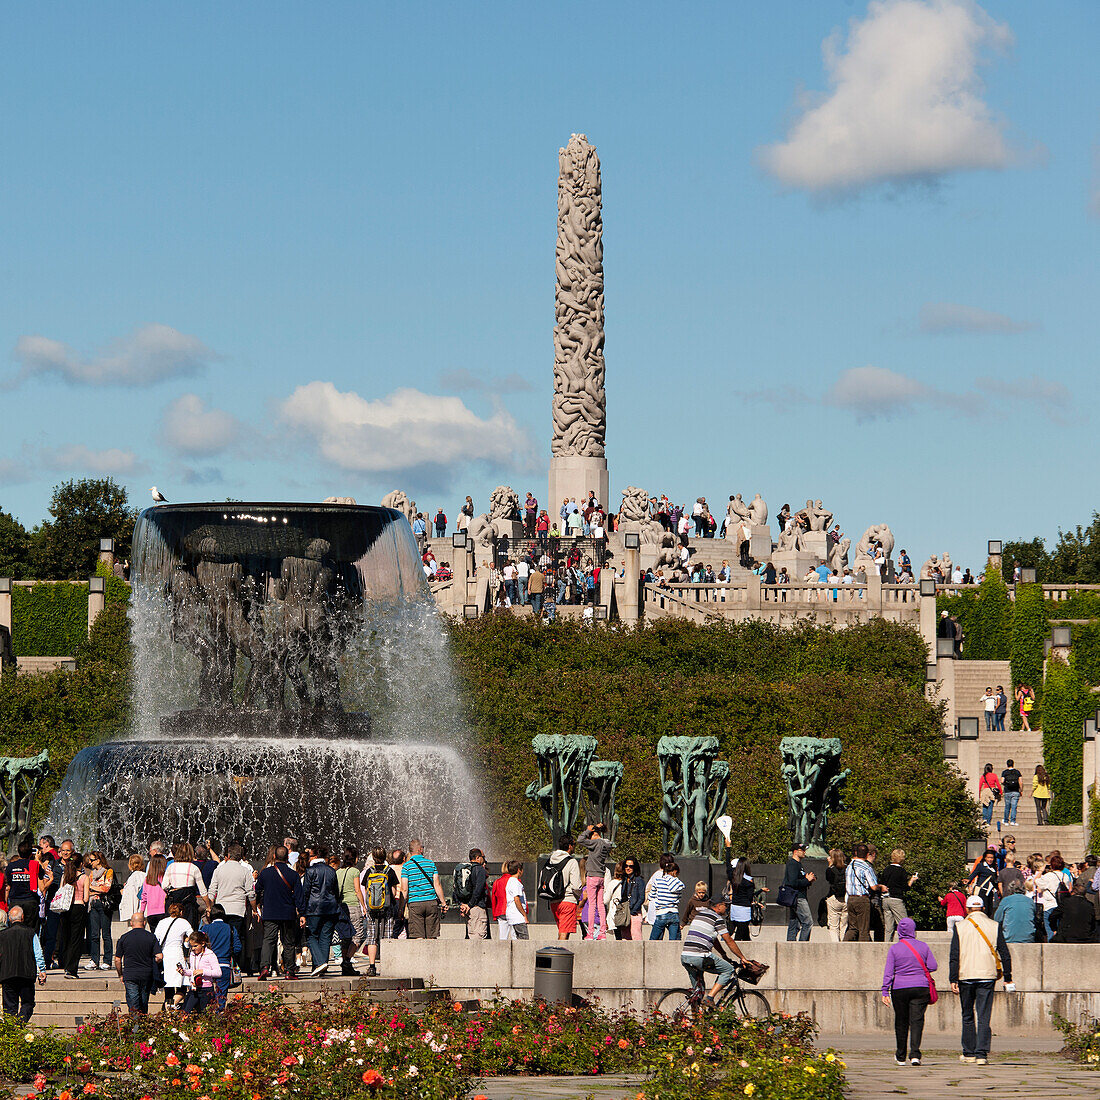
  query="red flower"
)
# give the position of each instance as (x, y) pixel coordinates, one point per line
(289, 1060)
(373, 1079)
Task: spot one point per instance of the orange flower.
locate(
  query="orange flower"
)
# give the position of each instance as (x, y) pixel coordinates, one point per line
(373, 1079)
(175, 1081)
(65, 1095)
(623, 1044)
(457, 1006)
(89, 1089)
(171, 1060)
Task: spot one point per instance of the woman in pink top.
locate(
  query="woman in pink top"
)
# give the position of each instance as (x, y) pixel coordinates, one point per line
(203, 972)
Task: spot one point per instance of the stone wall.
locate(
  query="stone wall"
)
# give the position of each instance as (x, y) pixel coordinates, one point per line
(838, 984)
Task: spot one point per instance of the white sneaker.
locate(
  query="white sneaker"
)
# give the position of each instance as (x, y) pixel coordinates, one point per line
(91, 966)
(969, 1058)
(982, 1061)
(914, 1061)
(106, 966)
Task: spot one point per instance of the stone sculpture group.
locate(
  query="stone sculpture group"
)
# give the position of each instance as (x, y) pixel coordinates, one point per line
(815, 788)
(572, 786)
(20, 779)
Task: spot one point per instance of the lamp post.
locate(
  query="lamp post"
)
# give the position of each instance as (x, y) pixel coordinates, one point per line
(994, 551)
(630, 607)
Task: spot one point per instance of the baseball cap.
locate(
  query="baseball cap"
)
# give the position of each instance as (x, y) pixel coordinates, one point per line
(973, 902)
(799, 847)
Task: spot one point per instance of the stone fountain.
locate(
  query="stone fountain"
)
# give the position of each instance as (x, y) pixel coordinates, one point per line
(291, 677)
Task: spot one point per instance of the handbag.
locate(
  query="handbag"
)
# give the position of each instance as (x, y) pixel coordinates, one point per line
(752, 971)
(933, 993)
(787, 896)
(63, 899)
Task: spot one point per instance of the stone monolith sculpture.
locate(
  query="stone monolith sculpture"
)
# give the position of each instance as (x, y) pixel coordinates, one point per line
(20, 778)
(600, 787)
(577, 461)
(564, 760)
(815, 788)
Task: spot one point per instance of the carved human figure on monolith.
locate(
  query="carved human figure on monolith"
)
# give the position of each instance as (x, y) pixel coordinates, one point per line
(694, 788)
(600, 787)
(815, 787)
(20, 778)
(758, 510)
(563, 760)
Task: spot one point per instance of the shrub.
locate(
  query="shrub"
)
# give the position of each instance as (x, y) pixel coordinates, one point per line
(48, 619)
(1082, 1041)
(1094, 819)
(1029, 630)
(985, 617)
(1066, 703)
(1086, 651)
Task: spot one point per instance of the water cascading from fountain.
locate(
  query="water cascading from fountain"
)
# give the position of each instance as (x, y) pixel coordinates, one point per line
(291, 677)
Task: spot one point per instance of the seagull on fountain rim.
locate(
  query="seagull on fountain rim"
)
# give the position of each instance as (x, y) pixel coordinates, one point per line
(158, 496)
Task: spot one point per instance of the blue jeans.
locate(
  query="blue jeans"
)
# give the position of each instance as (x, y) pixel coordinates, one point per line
(319, 932)
(521, 584)
(801, 923)
(976, 1001)
(1012, 800)
(99, 927)
(671, 921)
(987, 812)
(563, 591)
(698, 965)
(536, 603)
(137, 995)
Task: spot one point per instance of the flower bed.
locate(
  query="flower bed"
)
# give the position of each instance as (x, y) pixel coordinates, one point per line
(347, 1047)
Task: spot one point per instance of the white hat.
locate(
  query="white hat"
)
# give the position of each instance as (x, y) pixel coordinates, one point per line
(973, 902)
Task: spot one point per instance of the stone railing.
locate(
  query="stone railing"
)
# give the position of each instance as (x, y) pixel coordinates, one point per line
(752, 600)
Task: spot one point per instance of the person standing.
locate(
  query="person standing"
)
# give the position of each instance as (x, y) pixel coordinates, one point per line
(420, 884)
(138, 956)
(322, 907)
(562, 875)
(1040, 791)
(982, 883)
(979, 956)
(907, 984)
(989, 701)
(498, 895)
(440, 524)
(633, 892)
(836, 900)
(204, 970)
(1010, 782)
(665, 891)
(380, 887)
(741, 890)
(797, 880)
(954, 904)
(233, 887)
(1000, 711)
(173, 934)
(100, 882)
(351, 898)
(515, 911)
(597, 847)
(21, 883)
(1074, 919)
(131, 892)
(474, 908)
(523, 575)
(860, 882)
(226, 945)
(989, 792)
(53, 867)
(897, 881)
(21, 965)
(72, 932)
(536, 585)
(1018, 915)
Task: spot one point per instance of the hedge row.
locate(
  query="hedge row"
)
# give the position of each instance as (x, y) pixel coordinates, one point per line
(48, 619)
(1029, 631)
(628, 688)
(1067, 702)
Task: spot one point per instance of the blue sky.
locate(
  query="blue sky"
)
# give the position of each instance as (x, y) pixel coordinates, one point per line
(284, 251)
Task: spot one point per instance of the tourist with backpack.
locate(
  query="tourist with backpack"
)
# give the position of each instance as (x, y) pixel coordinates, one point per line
(380, 886)
(560, 885)
(469, 893)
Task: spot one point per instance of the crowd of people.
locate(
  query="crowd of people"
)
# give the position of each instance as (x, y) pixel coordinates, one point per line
(992, 789)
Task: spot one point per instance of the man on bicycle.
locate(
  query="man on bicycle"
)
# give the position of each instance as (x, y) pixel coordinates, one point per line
(703, 952)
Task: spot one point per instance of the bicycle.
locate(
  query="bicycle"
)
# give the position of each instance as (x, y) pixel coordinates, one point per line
(678, 1003)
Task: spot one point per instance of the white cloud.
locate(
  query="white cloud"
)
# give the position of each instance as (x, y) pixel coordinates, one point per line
(872, 392)
(81, 459)
(407, 431)
(1042, 395)
(149, 354)
(462, 380)
(189, 427)
(904, 102)
(939, 318)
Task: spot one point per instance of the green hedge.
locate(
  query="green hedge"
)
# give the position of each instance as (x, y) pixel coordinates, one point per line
(48, 619)
(1086, 652)
(1094, 820)
(985, 616)
(1083, 605)
(1029, 631)
(748, 685)
(1066, 703)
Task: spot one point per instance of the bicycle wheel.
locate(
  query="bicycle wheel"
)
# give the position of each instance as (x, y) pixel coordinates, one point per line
(749, 1002)
(676, 1004)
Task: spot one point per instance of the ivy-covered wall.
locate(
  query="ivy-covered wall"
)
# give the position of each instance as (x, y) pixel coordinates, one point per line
(48, 619)
(1066, 704)
(1029, 631)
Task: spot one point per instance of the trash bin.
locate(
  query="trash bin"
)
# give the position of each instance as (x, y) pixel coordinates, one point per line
(553, 974)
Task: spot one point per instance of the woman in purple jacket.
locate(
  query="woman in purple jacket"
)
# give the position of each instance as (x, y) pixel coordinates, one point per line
(906, 983)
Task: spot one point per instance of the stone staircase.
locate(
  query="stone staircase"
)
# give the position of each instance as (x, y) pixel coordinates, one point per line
(971, 680)
(1026, 750)
(63, 1003)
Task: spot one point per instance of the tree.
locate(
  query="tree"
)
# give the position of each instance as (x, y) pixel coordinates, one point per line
(1076, 557)
(65, 547)
(1028, 555)
(14, 547)
(987, 626)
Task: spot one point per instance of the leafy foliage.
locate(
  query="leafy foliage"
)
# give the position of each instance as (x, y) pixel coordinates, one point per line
(48, 619)
(1086, 651)
(1082, 1039)
(749, 685)
(66, 546)
(1075, 558)
(985, 617)
(1066, 703)
(1029, 631)
(14, 545)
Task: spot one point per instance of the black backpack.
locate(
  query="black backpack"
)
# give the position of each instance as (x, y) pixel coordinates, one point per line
(462, 884)
(552, 882)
